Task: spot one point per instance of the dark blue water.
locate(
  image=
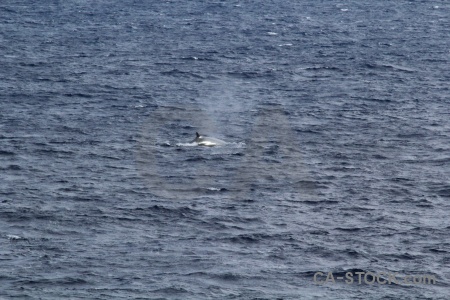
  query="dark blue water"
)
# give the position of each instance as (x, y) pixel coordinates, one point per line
(338, 122)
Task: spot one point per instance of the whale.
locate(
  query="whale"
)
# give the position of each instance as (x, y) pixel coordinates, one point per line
(203, 140)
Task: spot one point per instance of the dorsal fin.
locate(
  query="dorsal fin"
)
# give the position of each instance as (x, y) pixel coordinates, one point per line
(198, 135)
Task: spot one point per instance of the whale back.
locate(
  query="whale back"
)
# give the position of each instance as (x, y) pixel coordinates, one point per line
(207, 141)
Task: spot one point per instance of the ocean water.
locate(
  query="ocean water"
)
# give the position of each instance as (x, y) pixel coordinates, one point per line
(337, 119)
